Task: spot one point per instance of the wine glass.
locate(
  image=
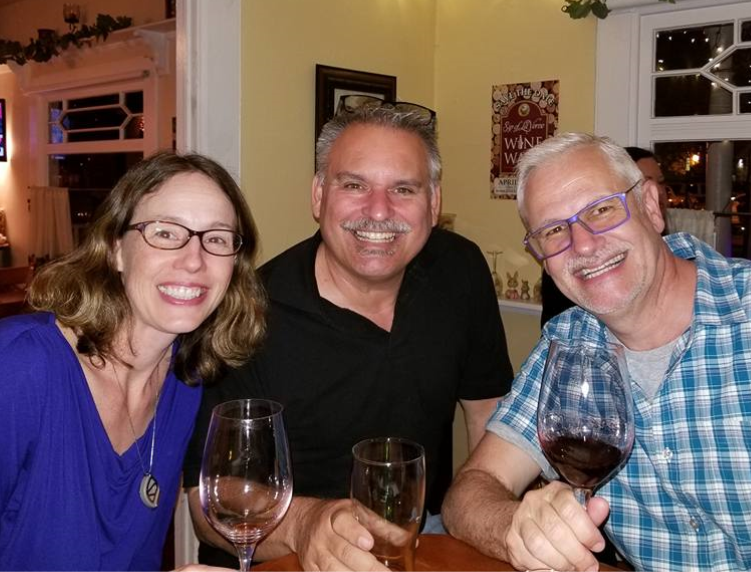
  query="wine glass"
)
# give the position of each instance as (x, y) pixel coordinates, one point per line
(246, 478)
(496, 279)
(388, 496)
(585, 419)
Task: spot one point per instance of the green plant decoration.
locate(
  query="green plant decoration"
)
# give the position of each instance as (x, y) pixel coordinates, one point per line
(51, 44)
(581, 8)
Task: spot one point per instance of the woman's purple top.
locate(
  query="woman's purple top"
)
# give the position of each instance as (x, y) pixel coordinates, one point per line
(68, 501)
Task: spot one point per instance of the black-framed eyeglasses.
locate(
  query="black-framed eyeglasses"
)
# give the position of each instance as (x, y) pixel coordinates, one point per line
(351, 103)
(600, 216)
(173, 236)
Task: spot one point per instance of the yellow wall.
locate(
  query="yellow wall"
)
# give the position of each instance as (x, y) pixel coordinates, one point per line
(481, 43)
(282, 42)
(446, 54)
(488, 42)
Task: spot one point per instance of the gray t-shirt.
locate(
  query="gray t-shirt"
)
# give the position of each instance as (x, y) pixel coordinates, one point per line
(647, 369)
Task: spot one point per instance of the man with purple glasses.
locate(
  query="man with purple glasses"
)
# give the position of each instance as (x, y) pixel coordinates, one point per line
(682, 311)
(379, 324)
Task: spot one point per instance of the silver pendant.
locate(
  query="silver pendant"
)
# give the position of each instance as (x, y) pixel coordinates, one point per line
(149, 491)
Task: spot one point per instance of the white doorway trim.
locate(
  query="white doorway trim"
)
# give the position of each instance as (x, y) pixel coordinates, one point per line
(208, 79)
(208, 54)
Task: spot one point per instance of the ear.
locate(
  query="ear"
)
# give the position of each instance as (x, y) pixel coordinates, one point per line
(435, 204)
(118, 254)
(316, 197)
(650, 205)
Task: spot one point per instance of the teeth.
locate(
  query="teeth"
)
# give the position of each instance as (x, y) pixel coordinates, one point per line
(600, 270)
(375, 236)
(181, 292)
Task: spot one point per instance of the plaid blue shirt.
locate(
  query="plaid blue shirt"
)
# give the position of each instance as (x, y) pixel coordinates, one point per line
(683, 500)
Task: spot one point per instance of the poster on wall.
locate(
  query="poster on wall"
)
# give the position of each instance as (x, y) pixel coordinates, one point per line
(524, 115)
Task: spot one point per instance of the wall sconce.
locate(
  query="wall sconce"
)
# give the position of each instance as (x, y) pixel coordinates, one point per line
(72, 16)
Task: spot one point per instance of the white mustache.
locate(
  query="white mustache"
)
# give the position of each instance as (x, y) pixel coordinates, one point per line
(370, 225)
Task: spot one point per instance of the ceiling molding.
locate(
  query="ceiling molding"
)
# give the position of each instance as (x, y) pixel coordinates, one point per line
(648, 6)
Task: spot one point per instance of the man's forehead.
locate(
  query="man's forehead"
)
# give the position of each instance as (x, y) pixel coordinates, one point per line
(362, 149)
(562, 186)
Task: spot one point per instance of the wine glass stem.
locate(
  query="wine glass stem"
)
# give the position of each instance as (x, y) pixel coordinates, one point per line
(245, 555)
(582, 495)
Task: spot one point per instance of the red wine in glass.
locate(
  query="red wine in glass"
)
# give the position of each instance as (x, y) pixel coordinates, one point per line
(585, 420)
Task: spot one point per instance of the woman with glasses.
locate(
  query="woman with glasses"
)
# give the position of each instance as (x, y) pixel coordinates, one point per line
(99, 388)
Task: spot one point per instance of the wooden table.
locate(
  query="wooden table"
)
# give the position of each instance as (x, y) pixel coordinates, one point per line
(435, 552)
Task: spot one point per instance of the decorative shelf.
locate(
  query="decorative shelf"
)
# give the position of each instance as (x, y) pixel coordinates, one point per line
(126, 54)
(520, 307)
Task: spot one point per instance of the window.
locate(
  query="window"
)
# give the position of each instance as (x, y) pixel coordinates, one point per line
(89, 177)
(112, 116)
(93, 137)
(677, 79)
(695, 64)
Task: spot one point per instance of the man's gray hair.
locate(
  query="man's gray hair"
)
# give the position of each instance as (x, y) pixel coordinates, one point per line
(385, 116)
(616, 157)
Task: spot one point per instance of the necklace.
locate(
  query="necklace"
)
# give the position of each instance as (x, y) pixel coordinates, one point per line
(149, 490)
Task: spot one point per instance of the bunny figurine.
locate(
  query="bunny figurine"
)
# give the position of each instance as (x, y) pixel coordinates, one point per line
(525, 290)
(537, 292)
(512, 281)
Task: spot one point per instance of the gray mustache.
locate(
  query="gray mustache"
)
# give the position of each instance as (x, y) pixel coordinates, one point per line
(370, 225)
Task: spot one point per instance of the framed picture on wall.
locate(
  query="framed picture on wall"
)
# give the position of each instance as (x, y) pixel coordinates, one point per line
(333, 83)
(3, 133)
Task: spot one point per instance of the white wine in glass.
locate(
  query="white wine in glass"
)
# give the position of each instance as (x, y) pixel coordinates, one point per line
(388, 496)
(246, 477)
(585, 420)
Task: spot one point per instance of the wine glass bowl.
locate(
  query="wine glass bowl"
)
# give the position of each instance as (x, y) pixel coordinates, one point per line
(246, 477)
(388, 496)
(585, 420)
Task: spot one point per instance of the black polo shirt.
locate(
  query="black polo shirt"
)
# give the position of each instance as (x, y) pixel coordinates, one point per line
(341, 378)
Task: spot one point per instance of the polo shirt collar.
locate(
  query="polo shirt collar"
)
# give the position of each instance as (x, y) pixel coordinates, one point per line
(293, 281)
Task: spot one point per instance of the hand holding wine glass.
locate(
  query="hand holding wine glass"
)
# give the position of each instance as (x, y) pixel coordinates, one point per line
(388, 496)
(585, 420)
(246, 477)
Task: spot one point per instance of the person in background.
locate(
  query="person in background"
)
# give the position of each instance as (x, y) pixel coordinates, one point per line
(99, 389)
(650, 168)
(553, 300)
(379, 323)
(682, 312)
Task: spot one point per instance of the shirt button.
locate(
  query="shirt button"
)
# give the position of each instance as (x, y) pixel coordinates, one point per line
(667, 454)
(694, 524)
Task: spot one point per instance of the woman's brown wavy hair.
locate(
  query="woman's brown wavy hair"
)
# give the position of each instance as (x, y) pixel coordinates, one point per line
(85, 292)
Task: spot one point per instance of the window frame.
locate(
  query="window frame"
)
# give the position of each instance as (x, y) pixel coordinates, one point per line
(144, 145)
(623, 88)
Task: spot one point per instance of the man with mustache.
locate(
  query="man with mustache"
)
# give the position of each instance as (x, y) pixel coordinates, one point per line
(379, 324)
(553, 301)
(681, 311)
